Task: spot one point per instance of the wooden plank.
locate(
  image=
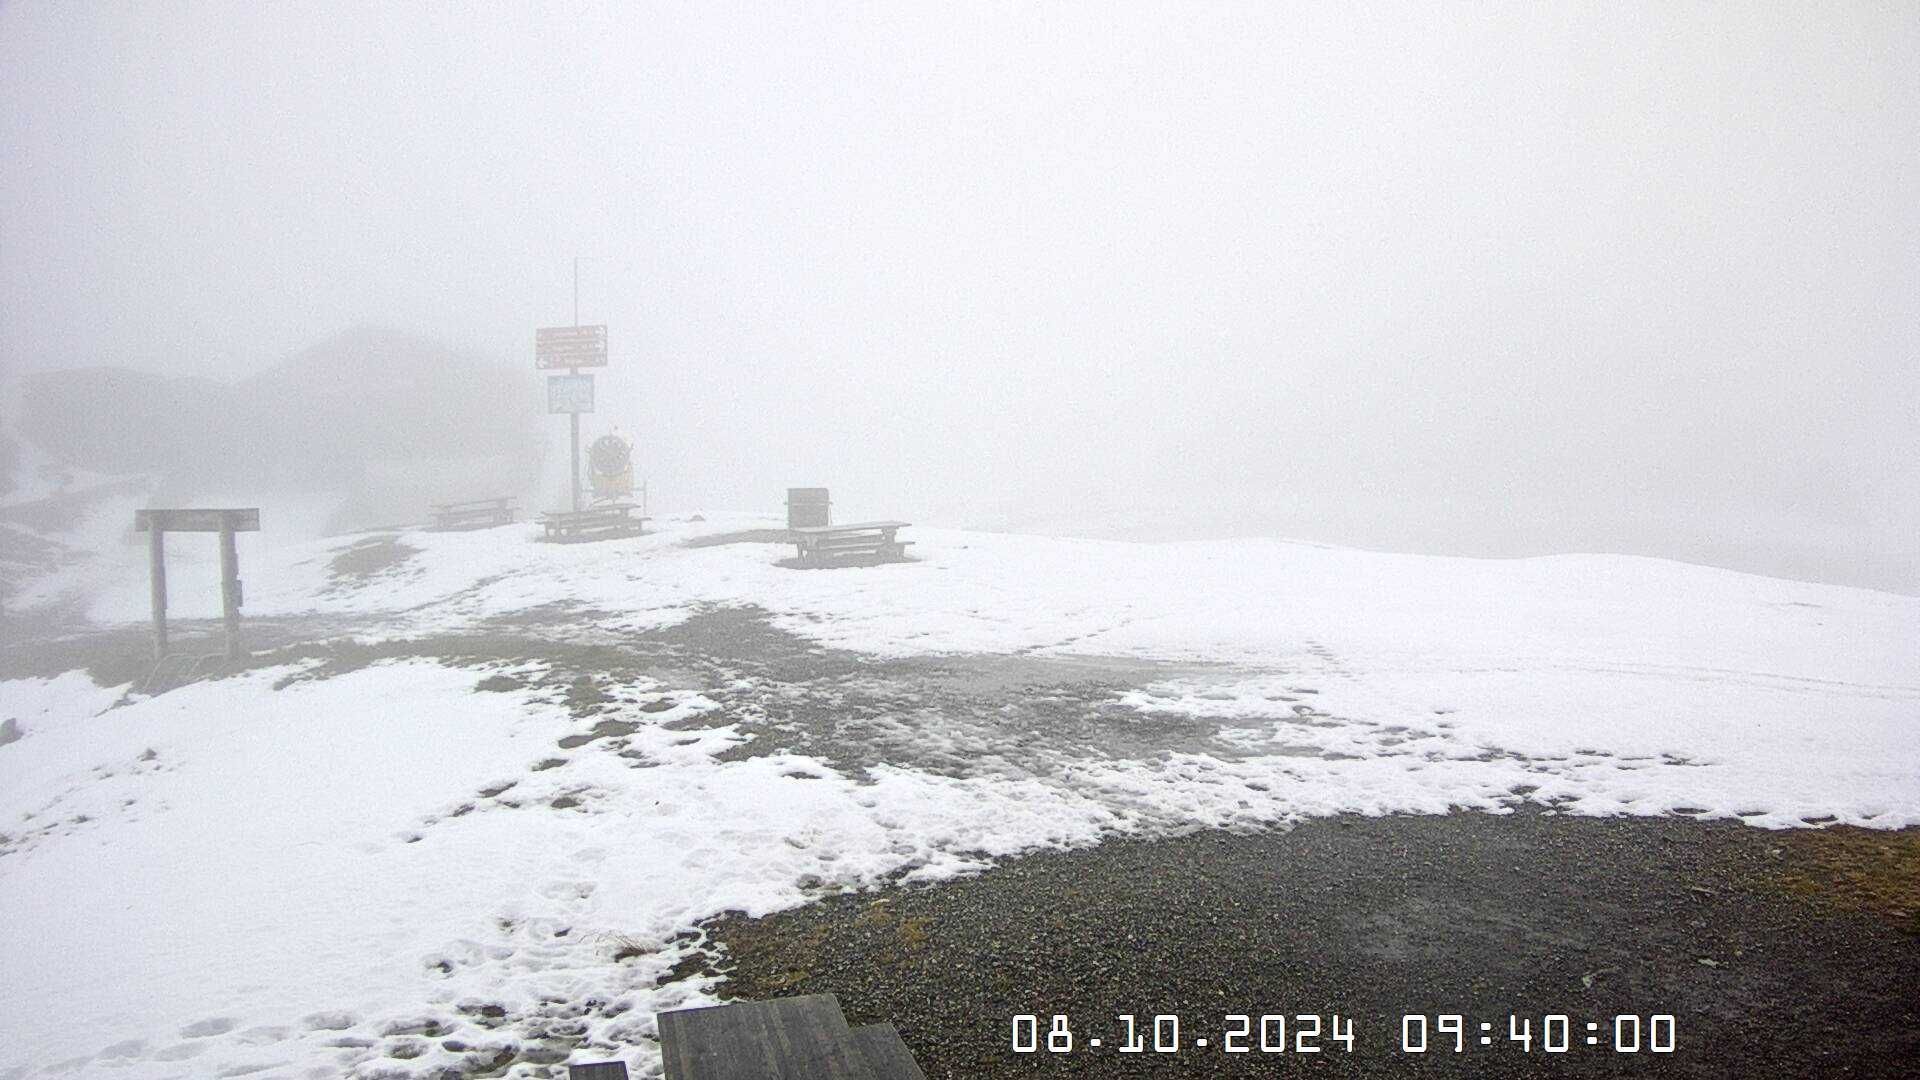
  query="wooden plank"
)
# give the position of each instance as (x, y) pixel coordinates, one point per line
(599, 1070)
(869, 538)
(615, 511)
(815, 530)
(581, 532)
(797, 1038)
(197, 520)
(885, 1053)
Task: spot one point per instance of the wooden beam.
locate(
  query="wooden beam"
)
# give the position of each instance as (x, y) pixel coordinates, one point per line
(797, 1038)
(881, 1047)
(599, 1070)
(175, 519)
(157, 576)
(229, 591)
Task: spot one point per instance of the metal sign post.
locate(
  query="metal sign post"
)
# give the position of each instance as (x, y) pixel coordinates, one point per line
(572, 348)
(572, 394)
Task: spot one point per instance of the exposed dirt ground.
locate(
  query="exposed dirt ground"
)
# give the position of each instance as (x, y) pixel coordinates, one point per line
(1778, 954)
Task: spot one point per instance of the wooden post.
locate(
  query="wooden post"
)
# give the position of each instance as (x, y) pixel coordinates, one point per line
(230, 590)
(574, 419)
(157, 574)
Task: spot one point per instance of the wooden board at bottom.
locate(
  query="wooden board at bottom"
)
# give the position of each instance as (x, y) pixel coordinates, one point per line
(885, 1053)
(600, 1070)
(797, 1038)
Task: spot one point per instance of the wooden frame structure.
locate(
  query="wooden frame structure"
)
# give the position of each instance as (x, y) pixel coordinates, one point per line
(157, 523)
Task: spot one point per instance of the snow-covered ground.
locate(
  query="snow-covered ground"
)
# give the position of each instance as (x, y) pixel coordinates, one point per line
(433, 862)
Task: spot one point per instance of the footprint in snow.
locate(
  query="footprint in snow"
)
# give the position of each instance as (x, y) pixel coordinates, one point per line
(333, 1020)
(250, 1069)
(568, 890)
(215, 1025)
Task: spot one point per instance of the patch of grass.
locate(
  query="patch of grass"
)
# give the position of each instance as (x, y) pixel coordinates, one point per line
(1869, 870)
(626, 946)
(913, 932)
(584, 696)
(785, 980)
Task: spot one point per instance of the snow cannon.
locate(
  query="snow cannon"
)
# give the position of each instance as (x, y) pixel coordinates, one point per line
(610, 468)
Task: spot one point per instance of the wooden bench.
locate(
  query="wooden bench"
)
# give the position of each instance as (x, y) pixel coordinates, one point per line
(605, 522)
(472, 514)
(797, 1038)
(822, 545)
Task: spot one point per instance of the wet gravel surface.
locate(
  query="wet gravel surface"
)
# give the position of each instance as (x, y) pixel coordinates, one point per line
(1486, 917)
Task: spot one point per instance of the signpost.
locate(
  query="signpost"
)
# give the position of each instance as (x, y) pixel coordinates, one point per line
(572, 348)
(157, 523)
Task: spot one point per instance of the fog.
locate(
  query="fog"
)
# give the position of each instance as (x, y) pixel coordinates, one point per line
(1498, 280)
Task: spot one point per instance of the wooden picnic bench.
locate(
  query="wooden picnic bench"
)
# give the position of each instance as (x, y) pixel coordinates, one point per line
(472, 514)
(605, 522)
(820, 545)
(796, 1038)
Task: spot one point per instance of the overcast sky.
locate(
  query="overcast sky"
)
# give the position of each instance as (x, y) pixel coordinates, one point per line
(1480, 278)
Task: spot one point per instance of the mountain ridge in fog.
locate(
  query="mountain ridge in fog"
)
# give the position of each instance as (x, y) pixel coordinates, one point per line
(383, 418)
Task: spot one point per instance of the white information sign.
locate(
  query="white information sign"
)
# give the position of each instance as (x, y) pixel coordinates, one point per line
(569, 393)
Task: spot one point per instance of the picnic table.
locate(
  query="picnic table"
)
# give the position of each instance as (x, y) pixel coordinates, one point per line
(820, 545)
(607, 521)
(472, 514)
